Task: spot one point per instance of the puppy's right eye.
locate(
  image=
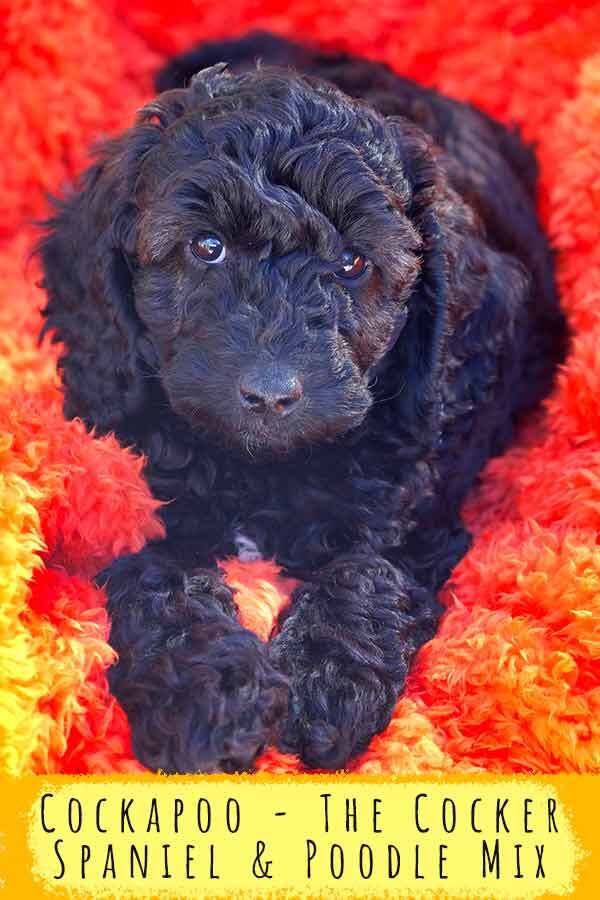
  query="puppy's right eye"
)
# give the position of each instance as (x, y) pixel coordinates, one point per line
(208, 248)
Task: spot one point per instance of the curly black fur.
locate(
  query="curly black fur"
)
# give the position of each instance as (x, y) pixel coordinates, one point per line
(406, 379)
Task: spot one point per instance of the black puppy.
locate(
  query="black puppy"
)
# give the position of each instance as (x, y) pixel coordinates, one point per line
(317, 302)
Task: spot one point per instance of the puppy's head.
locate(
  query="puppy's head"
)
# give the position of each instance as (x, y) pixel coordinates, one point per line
(255, 242)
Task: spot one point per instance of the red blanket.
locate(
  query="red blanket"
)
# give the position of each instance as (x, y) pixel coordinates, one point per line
(512, 681)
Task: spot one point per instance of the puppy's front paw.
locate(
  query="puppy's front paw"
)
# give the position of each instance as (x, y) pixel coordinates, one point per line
(340, 695)
(210, 702)
(328, 724)
(198, 689)
(346, 648)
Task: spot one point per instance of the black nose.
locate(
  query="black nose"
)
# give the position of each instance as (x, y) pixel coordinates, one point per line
(271, 390)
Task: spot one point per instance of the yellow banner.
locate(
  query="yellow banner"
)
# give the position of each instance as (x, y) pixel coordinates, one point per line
(319, 836)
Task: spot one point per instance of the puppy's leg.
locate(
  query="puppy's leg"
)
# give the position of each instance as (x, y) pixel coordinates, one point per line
(198, 689)
(346, 645)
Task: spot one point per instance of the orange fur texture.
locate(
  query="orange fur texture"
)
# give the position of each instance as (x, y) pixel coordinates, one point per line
(512, 681)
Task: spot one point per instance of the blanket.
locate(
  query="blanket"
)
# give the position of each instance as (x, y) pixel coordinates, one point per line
(511, 682)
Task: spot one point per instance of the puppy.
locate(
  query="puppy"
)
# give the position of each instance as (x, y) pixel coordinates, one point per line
(316, 296)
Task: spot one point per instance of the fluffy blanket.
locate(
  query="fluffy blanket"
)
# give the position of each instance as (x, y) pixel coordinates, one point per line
(512, 681)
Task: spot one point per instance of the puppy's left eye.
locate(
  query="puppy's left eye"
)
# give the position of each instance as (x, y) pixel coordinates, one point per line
(209, 248)
(352, 265)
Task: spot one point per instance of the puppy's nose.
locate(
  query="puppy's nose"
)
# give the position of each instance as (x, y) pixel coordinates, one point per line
(272, 390)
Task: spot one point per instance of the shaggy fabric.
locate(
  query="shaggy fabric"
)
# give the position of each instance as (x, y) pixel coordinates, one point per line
(511, 682)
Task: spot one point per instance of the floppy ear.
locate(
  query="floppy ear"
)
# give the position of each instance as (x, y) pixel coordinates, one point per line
(88, 259)
(419, 349)
(87, 276)
(460, 274)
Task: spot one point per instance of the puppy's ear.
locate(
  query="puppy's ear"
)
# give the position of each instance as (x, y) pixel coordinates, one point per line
(88, 258)
(418, 350)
